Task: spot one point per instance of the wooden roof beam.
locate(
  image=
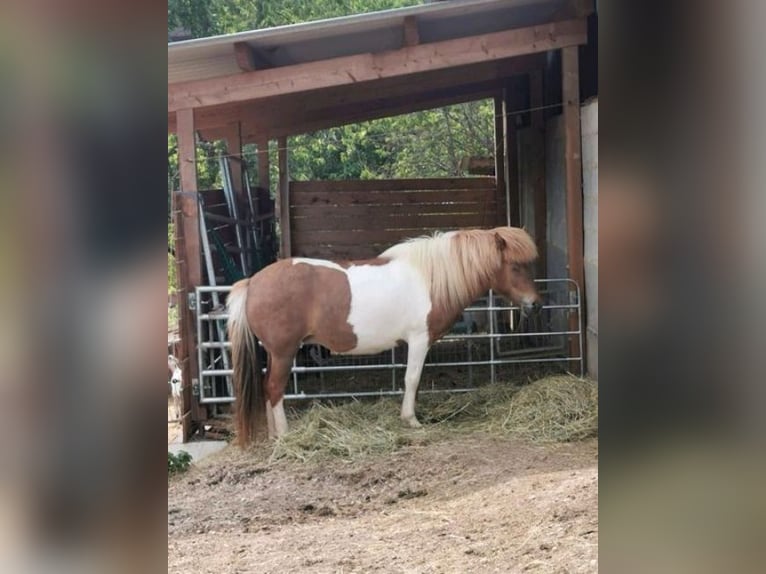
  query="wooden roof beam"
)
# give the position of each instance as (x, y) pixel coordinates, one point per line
(448, 79)
(314, 120)
(411, 36)
(249, 59)
(368, 67)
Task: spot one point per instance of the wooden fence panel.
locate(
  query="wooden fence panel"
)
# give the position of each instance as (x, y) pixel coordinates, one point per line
(360, 219)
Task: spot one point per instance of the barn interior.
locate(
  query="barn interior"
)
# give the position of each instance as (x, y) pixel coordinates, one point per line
(535, 59)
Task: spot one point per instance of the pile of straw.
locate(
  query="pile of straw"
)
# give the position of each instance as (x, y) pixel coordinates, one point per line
(554, 409)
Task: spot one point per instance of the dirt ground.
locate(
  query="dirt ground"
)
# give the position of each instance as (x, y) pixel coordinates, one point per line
(472, 504)
(174, 427)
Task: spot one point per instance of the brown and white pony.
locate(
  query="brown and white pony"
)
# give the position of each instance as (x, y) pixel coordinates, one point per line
(413, 292)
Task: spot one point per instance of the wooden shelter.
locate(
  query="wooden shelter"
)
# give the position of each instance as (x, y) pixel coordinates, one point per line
(264, 85)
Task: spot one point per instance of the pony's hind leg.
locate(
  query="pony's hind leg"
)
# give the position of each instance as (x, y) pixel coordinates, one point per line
(416, 356)
(274, 385)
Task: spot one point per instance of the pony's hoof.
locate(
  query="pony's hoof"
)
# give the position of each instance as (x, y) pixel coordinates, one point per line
(413, 423)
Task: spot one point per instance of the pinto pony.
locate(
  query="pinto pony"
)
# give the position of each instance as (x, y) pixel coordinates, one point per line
(413, 292)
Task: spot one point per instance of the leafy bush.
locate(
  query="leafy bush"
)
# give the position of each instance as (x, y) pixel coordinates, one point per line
(178, 462)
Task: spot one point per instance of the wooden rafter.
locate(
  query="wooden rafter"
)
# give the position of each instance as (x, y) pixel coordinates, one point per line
(248, 59)
(314, 120)
(411, 34)
(369, 67)
(265, 114)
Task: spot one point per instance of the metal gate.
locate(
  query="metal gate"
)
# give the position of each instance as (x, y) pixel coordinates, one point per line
(492, 342)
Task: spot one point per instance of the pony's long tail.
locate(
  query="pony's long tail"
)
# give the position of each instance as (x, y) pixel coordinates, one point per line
(248, 387)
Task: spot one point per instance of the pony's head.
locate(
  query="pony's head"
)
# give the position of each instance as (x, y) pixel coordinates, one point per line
(514, 279)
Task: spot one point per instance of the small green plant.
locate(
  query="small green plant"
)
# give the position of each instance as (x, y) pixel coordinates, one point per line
(178, 462)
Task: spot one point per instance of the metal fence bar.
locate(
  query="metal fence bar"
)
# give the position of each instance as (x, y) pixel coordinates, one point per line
(504, 335)
(517, 354)
(215, 345)
(491, 334)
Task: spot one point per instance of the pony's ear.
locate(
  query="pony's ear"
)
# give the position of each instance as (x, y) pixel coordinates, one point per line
(500, 242)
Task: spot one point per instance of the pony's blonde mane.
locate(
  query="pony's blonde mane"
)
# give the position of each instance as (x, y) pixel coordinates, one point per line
(459, 265)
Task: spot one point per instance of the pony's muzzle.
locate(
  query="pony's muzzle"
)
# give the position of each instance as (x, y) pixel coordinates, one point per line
(531, 308)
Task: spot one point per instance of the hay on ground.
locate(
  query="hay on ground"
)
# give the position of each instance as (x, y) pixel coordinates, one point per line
(553, 409)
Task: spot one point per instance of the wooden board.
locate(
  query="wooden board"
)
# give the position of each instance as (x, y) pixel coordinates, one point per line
(415, 184)
(358, 219)
(392, 197)
(390, 220)
(369, 67)
(260, 117)
(339, 252)
(488, 207)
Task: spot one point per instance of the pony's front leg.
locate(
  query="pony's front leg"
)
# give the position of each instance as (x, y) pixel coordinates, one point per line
(279, 371)
(416, 356)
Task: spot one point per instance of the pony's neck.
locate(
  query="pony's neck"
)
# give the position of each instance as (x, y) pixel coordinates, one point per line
(444, 314)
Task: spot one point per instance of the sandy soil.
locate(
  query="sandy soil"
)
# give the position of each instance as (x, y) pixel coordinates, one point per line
(474, 504)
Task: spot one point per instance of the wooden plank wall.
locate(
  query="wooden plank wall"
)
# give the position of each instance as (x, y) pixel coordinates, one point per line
(361, 218)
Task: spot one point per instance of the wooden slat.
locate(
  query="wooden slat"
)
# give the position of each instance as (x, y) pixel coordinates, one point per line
(488, 208)
(368, 67)
(391, 220)
(392, 197)
(356, 237)
(393, 184)
(339, 252)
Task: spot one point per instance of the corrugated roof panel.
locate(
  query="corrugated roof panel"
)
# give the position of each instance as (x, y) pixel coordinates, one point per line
(357, 34)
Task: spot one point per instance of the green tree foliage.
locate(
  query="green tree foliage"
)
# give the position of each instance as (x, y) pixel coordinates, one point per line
(424, 144)
(196, 16)
(211, 17)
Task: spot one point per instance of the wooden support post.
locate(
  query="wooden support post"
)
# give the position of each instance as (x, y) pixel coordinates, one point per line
(537, 168)
(570, 91)
(184, 349)
(282, 204)
(192, 275)
(501, 165)
(511, 105)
